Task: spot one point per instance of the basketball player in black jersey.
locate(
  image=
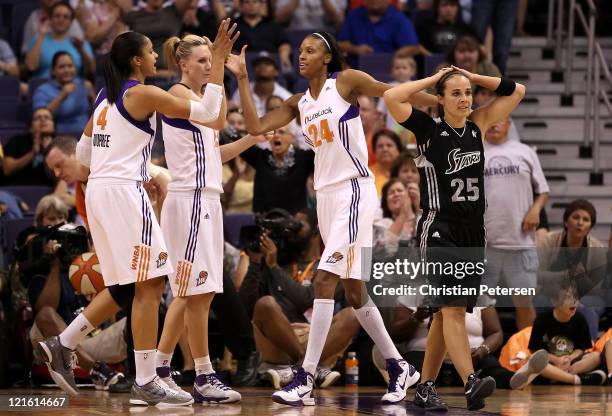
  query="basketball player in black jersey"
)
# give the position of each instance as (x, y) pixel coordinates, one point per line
(451, 165)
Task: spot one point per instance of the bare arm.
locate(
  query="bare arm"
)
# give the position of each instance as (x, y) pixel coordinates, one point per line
(491, 329)
(96, 32)
(399, 99)
(61, 191)
(332, 14)
(12, 165)
(231, 150)
(32, 58)
(353, 83)
(50, 294)
(532, 218)
(11, 69)
(284, 14)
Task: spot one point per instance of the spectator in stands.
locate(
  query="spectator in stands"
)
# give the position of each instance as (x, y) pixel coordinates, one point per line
(315, 15)
(158, 23)
(266, 73)
(468, 54)
(23, 154)
(398, 225)
(279, 299)
(54, 301)
(564, 333)
(372, 121)
(574, 256)
(377, 27)
(500, 16)
(403, 69)
(54, 36)
(262, 33)
(513, 175)
(440, 33)
(406, 171)
(8, 62)
(199, 21)
(40, 17)
(102, 22)
(387, 147)
(280, 173)
(409, 327)
(68, 96)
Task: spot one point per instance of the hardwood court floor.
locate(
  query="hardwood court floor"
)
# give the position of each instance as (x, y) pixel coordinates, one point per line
(536, 400)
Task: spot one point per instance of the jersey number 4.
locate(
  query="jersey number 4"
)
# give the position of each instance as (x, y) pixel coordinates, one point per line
(325, 133)
(101, 121)
(471, 189)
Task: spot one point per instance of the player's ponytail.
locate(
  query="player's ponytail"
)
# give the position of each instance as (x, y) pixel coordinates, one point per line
(118, 63)
(176, 48)
(337, 61)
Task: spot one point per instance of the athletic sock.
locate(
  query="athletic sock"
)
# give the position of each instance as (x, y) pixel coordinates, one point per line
(369, 318)
(577, 379)
(145, 366)
(75, 332)
(162, 359)
(322, 314)
(203, 365)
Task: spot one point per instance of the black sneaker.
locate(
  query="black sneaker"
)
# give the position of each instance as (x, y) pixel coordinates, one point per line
(594, 378)
(103, 376)
(187, 378)
(477, 389)
(246, 370)
(426, 396)
(124, 385)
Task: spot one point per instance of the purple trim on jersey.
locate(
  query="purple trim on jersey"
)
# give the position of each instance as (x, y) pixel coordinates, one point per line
(307, 140)
(334, 75)
(101, 97)
(179, 123)
(351, 113)
(146, 154)
(143, 125)
(192, 241)
(343, 129)
(147, 224)
(198, 142)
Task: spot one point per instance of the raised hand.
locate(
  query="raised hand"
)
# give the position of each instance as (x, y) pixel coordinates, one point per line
(237, 63)
(225, 39)
(468, 74)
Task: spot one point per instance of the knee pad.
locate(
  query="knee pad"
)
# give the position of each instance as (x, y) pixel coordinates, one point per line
(122, 294)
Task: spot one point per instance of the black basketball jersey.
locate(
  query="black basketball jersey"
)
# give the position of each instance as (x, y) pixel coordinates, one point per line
(451, 166)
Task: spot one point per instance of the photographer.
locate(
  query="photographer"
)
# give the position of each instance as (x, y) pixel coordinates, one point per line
(44, 257)
(280, 297)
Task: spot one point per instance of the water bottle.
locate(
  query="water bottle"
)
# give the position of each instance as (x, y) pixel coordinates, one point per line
(351, 368)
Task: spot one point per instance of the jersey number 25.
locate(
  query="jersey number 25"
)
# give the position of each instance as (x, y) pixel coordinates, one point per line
(324, 130)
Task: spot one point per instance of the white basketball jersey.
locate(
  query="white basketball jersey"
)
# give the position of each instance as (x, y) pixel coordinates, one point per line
(332, 127)
(192, 154)
(121, 146)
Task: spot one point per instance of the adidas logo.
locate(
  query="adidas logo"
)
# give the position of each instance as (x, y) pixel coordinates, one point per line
(206, 217)
(473, 134)
(328, 88)
(436, 234)
(444, 133)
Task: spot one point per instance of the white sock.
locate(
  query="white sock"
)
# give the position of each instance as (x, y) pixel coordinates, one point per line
(610, 374)
(162, 360)
(577, 379)
(145, 366)
(75, 332)
(322, 314)
(369, 318)
(203, 365)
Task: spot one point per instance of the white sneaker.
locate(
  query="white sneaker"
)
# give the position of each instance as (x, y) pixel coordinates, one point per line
(530, 370)
(157, 393)
(299, 392)
(279, 376)
(208, 388)
(401, 376)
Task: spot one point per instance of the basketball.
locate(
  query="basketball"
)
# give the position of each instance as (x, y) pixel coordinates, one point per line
(85, 275)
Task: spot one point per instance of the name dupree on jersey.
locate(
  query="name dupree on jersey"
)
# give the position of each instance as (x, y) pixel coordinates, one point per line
(333, 128)
(451, 165)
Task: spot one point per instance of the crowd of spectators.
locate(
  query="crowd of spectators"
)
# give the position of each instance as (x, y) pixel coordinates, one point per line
(270, 281)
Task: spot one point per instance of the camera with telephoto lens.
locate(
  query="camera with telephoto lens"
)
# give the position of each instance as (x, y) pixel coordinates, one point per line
(281, 228)
(71, 241)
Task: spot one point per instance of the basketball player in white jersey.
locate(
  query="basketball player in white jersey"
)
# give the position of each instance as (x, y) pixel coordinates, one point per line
(129, 243)
(346, 200)
(192, 220)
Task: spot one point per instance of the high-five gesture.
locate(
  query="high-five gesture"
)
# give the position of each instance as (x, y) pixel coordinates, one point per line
(237, 63)
(225, 39)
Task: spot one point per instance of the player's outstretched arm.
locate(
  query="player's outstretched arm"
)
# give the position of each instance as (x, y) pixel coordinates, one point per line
(510, 94)
(83, 151)
(356, 83)
(231, 150)
(399, 99)
(270, 121)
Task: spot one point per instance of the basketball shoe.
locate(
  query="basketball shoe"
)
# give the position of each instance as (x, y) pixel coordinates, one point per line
(60, 361)
(477, 389)
(426, 396)
(298, 392)
(324, 377)
(279, 376)
(208, 388)
(401, 376)
(166, 376)
(103, 376)
(157, 393)
(530, 370)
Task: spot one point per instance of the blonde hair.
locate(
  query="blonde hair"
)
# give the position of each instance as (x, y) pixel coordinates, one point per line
(47, 204)
(176, 48)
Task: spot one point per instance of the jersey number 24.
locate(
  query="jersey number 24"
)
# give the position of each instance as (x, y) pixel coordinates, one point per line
(318, 134)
